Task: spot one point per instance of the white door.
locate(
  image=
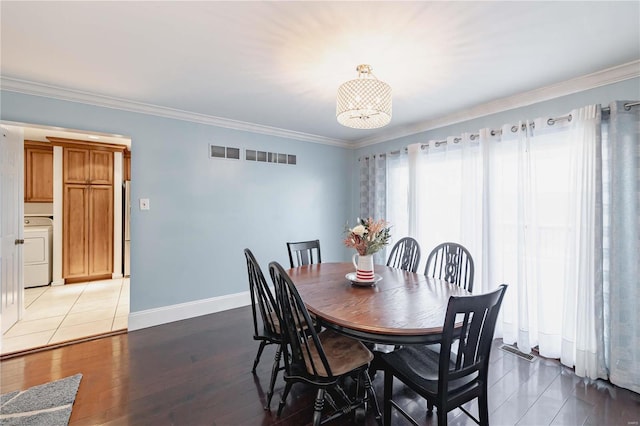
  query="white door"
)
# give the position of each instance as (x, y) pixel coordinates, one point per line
(11, 216)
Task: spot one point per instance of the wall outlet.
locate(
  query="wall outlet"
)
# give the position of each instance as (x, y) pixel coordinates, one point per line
(144, 204)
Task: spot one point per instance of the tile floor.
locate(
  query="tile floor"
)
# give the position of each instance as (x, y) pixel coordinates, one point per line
(55, 314)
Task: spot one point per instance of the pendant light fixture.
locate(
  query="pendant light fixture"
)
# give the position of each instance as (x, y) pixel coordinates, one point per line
(364, 103)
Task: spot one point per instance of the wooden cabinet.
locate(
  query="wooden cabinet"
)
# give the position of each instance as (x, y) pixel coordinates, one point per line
(82, 165)
(87, 241)
(87, 223)
(38, 172)
(87, 232)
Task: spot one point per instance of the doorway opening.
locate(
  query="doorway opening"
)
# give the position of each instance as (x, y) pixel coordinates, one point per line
(55, 310)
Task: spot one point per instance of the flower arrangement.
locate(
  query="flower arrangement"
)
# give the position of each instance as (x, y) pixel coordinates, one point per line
(368, 236)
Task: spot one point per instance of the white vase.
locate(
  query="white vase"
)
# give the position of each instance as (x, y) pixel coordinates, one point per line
(364, 267)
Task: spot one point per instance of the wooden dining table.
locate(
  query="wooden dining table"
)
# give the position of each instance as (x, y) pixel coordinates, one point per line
(401, 308)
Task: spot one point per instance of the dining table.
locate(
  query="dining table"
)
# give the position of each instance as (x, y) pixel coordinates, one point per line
(400, 308)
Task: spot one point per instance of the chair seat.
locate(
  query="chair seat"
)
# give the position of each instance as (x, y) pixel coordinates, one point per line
(276, 323)
(418, 365)
(343, 353)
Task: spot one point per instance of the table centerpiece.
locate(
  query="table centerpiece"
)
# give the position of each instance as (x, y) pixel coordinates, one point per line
(368, 237)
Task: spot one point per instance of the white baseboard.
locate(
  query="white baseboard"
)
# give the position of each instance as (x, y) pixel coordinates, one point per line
(181, 311)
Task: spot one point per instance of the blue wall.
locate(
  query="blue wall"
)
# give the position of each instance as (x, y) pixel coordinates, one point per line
(204, 211)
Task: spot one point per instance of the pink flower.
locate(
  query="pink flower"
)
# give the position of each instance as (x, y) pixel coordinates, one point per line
(368, 237)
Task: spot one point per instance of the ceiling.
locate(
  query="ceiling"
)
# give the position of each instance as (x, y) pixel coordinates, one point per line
(277, 65)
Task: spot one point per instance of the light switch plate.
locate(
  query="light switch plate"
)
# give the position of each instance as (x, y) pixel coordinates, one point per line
(144, 204)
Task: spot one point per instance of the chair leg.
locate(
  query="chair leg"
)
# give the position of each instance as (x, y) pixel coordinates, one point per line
(483, 409)
(318, 405)
(442, 417)
(283, 398)
(263, 343)
(429, 408)
(372, 395)
(274, 374)
(388, 389)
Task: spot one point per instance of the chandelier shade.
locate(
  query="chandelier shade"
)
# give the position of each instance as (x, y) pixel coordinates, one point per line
(364, 103)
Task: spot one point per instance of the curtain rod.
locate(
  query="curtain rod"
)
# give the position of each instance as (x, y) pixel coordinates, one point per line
(366, 157)
(551, 121)
(627, 106)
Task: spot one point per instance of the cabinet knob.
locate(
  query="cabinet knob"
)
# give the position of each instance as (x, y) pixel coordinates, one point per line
(19, 241)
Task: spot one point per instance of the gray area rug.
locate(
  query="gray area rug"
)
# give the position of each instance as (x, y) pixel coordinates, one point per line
(48, 404)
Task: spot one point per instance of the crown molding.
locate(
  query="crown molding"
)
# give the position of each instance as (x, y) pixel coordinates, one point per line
(600, 78)
(45, 90)
(589, 81)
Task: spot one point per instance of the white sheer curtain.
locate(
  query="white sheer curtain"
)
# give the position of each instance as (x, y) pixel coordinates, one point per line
(448, 188)
(582, 324)
(552, 208)
(523, 242)
(543, 231)
(425, 193)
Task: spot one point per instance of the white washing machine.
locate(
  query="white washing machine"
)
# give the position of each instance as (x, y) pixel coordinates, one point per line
(38, 249)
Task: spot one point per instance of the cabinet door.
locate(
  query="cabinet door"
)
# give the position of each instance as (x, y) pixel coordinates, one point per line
(75, 231)
(76, 165)
(101, 229)
(101, 170)
(38, 175)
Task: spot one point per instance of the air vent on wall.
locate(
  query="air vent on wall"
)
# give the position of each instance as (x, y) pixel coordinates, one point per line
(269, 157)
(217, 151)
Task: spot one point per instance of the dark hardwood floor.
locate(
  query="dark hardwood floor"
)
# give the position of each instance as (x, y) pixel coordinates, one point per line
(197, 372)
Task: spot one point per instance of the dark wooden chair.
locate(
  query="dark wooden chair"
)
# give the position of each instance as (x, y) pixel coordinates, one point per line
(266, 329)
(447, 379)
(323, 360)
(453, 263)
(405, 255)
(303, 253)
